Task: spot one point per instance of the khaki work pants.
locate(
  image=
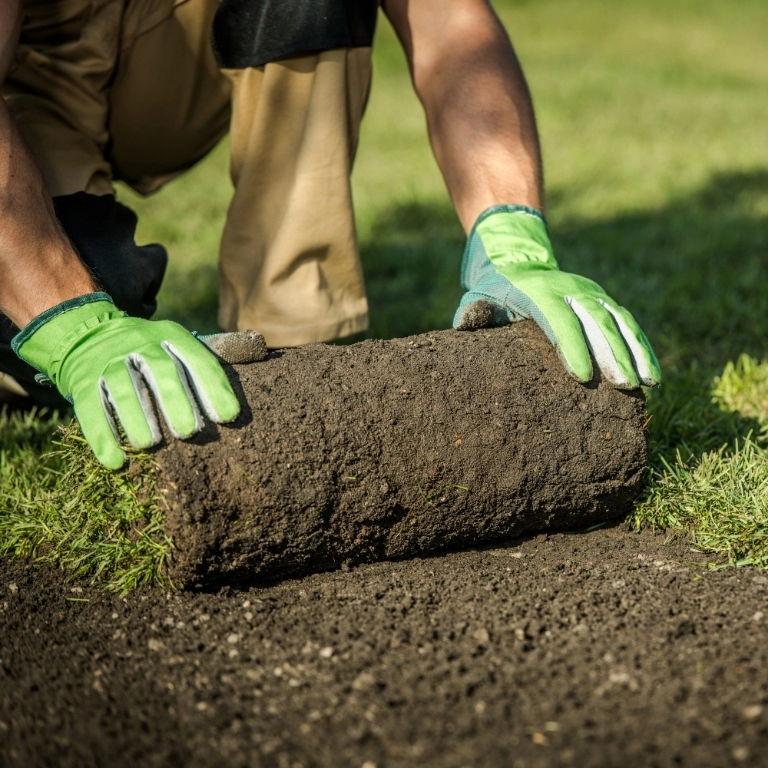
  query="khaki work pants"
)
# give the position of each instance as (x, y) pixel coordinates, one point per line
(129, 90)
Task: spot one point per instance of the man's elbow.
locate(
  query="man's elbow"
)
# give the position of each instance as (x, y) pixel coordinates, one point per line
(440, 38)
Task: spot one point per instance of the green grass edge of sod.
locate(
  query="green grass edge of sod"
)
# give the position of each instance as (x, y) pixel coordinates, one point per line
(708, 478)
(59, 505)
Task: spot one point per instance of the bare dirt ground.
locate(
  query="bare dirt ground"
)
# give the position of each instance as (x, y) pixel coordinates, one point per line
(601, 649)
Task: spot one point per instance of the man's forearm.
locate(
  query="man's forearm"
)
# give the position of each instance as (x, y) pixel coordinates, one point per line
(478, 107)
(38, 266)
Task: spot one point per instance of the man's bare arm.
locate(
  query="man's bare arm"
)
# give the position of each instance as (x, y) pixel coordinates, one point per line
(478, 107)
(38, 266)
(483, 133)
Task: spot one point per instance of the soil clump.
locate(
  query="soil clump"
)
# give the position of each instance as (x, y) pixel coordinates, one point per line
(390, 449)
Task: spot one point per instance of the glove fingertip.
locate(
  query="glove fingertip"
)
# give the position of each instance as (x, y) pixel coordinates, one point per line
(111, 458)
(652, 376)
(100, 430)
(579, 369)
(225, 409)
(184, 426)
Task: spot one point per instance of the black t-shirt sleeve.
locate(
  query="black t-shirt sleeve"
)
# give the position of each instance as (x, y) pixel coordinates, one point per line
(251, 33)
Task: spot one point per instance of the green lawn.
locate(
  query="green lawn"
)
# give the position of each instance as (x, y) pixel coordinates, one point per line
(653, 117)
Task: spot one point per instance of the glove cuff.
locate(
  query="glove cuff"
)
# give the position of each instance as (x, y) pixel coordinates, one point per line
(510, 208)
(38, 341)
(505, 236)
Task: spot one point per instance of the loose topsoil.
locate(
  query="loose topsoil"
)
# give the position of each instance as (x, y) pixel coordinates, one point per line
(606, 648)
(390, 449)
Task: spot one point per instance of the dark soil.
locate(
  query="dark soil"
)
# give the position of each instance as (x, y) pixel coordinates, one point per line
(390, 449)
(597, 649)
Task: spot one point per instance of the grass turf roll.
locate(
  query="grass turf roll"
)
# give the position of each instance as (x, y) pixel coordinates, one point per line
(394, 449)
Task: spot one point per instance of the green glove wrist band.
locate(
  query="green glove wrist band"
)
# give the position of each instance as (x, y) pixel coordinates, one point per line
(50, 338)
(511, 234)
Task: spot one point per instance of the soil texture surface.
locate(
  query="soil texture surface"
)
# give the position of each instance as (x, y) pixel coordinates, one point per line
(389, 449)
(606, 648)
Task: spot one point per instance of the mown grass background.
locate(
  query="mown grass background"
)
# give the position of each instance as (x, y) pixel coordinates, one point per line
(654, 124)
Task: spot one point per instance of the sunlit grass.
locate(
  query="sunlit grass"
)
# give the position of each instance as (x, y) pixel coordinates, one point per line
(719, 495)
(59, 505)
(743, 389)
(720, 499)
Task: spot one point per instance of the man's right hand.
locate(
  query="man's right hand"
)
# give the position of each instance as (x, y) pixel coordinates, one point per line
(115, 369)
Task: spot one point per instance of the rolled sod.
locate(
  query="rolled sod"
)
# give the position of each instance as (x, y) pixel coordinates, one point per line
(394, 449)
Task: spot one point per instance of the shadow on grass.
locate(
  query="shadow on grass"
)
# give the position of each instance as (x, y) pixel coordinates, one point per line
(411, 261)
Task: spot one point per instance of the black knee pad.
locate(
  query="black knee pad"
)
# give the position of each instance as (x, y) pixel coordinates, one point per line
(251, 33)
(103, 231)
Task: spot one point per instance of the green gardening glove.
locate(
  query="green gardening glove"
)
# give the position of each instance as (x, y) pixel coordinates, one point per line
(112, 367)
(510, 273)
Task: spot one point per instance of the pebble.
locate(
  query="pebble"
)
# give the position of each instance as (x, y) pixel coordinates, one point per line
(364, 682)
(741, 754)
(757, 616)
(233, 639)
(620, 678)
(752, 712)
(155, 645)
(13, 589)
(326, 652)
